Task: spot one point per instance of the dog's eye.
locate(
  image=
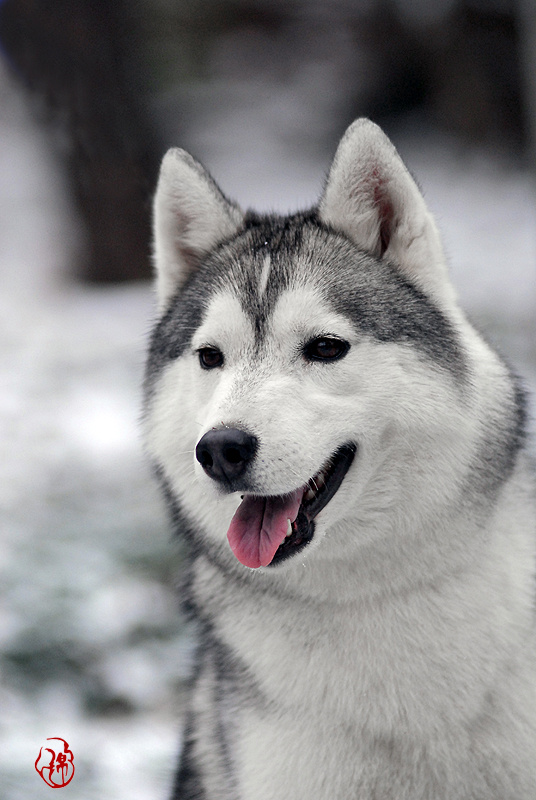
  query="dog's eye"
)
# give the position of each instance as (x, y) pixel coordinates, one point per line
(210, 357)
(325, 348)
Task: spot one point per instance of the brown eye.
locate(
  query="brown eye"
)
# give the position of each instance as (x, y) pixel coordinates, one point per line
(325, 348)
(210, 357)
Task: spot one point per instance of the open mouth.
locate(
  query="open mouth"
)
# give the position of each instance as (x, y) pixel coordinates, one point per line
(267, 530)
(320, 490)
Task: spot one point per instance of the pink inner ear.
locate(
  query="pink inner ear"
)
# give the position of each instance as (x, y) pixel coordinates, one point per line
(385, 210)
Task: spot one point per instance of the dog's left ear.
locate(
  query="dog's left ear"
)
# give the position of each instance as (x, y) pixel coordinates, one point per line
(371, 198)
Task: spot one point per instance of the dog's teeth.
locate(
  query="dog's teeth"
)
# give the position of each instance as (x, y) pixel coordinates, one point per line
(309, 494)
(316, 484)
(320, 480)
(289, 529)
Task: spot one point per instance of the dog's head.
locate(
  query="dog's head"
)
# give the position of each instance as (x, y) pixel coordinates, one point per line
(306, 370)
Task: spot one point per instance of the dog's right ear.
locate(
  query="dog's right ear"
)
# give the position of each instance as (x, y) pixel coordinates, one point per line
(191, 216)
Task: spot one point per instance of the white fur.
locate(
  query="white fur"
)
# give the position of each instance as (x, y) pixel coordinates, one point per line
(394, 658)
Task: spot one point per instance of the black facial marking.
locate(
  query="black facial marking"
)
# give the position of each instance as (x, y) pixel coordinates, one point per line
(372, 293)
(369, 291)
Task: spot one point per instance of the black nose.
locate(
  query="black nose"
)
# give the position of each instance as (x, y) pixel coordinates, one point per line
(225, 453)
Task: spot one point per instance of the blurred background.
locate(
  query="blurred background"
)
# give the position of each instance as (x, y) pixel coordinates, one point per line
(91, 94)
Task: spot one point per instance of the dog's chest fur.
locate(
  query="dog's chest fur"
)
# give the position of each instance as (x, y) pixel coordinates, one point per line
(347, 698)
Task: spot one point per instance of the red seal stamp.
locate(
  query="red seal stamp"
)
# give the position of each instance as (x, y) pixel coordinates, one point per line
(55, 763)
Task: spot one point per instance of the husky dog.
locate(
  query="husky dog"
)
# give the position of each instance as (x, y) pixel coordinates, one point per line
(344, 454)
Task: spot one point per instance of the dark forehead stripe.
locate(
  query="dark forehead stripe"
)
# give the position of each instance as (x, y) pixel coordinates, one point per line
(370, 292)
(281, 240)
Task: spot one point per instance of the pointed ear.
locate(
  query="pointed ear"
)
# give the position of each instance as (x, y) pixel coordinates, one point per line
(191, 216)
(371, 198)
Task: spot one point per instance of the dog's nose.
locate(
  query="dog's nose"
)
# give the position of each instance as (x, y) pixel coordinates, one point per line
(225, 453)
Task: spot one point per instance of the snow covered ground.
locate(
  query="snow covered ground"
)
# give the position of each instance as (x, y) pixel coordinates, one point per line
(93, 648)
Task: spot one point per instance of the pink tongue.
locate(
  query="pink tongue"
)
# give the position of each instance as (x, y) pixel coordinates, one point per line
(259, 526)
